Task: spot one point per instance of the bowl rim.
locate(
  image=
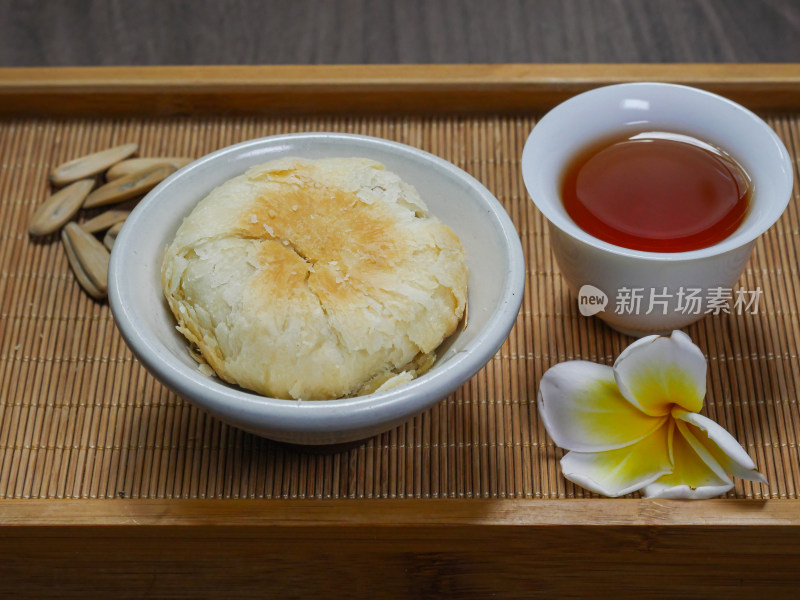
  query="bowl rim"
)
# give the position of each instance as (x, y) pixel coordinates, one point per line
(318, 416)
(579, 102)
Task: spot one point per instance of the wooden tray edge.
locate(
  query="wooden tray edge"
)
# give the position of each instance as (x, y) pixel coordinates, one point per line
(367, 89)
(399, 548)
(260, 513)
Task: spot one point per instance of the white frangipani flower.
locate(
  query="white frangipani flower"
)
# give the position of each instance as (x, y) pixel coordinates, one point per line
(636, 426)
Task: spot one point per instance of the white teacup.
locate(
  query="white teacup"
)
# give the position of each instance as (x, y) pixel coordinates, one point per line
(666, 284)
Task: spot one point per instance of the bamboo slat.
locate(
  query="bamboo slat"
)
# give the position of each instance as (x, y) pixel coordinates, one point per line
(80, 418)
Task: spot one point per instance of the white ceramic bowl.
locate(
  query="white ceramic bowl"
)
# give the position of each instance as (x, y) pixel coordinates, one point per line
(586, 260)
(496, 281)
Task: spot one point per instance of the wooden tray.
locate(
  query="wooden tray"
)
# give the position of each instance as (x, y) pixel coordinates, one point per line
(112, 482)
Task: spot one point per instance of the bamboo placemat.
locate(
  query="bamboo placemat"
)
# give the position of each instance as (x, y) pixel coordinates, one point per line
(79, 416)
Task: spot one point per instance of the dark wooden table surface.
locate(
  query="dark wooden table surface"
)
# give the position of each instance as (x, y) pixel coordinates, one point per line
(161, 32)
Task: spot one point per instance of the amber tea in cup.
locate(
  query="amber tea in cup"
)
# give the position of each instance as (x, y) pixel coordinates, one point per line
(722, 133)
(656, 191)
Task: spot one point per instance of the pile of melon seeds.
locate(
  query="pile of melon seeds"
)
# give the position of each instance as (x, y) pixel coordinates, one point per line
(101, 179)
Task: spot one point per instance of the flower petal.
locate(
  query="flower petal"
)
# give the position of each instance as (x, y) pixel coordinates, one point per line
(725, 449)
(696, 474)
(624, 470)
(643, 341)
(583, 410)
(656, 372)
